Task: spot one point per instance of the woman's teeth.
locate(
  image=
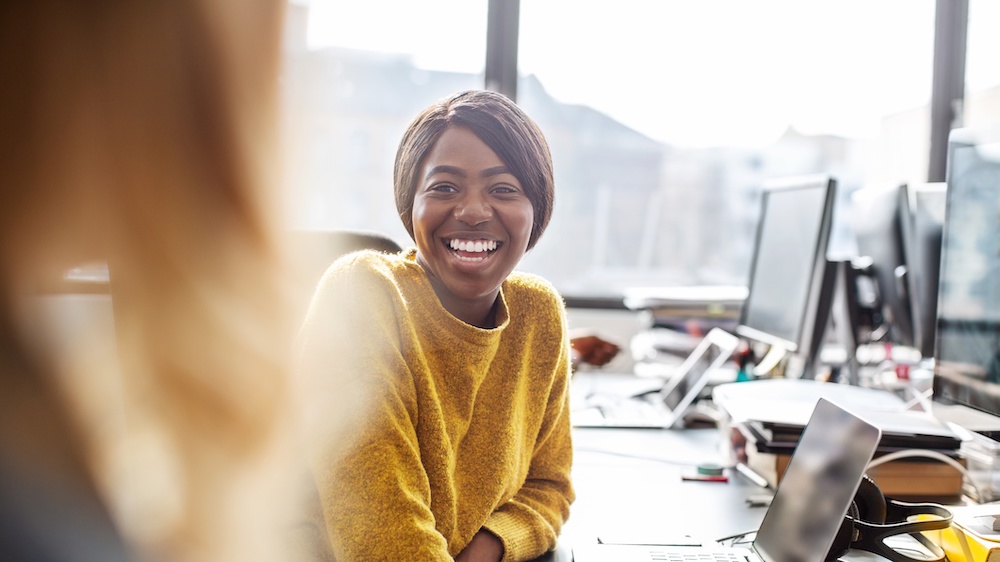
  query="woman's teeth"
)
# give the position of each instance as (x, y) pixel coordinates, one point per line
(473, 245)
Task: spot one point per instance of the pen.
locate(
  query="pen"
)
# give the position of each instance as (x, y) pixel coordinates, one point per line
(751, 475)
(705, 477)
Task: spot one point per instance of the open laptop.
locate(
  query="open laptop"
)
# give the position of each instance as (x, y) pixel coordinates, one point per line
(808, 507)
(662, 407)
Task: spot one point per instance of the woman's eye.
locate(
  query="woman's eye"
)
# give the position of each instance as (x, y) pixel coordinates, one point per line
(443, 188)
(504, 189)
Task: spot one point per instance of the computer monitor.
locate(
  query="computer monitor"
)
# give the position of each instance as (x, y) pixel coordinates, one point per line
(924, 203)
(880, 217)
(967, 355)
(790, 283)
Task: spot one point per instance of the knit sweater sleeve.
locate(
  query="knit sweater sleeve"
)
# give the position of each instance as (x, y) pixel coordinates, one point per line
(529, 524)
(374, 493)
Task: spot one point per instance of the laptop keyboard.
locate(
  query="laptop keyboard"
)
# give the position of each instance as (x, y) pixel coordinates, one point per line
(631, 409)
(680, 556)
(620, 412)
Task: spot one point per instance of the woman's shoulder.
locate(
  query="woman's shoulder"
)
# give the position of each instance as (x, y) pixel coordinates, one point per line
(529, 286)
(366, 264)
(365, 285)
(364, 275)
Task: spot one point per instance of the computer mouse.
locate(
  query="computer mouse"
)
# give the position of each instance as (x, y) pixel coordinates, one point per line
(700, 416)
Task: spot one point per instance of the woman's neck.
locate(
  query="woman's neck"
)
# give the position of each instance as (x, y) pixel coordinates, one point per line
(480, 312)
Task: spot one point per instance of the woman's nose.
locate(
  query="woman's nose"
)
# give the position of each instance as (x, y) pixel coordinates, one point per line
(473, 210)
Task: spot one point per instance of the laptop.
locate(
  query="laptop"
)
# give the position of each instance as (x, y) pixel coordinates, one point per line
(663, 406)
(808, 507)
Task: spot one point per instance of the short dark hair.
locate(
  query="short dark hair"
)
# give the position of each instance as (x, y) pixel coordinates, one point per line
(499, 123)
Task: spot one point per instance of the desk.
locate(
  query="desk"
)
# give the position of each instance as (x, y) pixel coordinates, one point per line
(628, 484)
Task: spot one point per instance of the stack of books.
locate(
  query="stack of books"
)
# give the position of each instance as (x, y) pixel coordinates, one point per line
(767, 446)
(694, 310)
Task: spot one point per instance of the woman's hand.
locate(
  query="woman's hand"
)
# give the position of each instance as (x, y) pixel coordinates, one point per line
(484, 547)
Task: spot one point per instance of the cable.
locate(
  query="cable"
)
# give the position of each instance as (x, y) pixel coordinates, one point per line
(921, 399)
(906, 453)
(738, 538)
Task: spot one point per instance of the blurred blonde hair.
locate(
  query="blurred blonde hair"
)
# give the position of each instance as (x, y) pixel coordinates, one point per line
(143, 133)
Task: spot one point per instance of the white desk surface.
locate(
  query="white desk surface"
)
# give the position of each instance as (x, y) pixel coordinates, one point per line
(629, 487)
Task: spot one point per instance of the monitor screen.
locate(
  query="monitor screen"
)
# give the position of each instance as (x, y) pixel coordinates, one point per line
(879, 216)
(789, 262)
(925, 205)
(967, 356)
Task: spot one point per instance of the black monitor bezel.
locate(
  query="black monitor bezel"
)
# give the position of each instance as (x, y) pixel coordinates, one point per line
(966, 388)
(882, 224)
(818, 272)
(922, 241)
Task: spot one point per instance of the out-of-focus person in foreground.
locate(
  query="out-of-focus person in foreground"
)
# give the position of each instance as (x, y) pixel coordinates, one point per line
(461, 446)
(141, 134)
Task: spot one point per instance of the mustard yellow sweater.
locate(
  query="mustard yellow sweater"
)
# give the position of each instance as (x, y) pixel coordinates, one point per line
(452, 428)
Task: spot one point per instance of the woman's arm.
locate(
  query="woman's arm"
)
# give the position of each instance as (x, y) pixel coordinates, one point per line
(530, 522)
(374, 493)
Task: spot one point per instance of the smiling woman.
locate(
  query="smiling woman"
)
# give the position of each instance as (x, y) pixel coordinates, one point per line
(457, 366)
(467, 203)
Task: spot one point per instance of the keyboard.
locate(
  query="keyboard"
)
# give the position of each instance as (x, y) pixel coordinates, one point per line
(675, 555)
(617, 411)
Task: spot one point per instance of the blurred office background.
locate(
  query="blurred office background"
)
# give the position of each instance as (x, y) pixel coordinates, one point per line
(664, 117)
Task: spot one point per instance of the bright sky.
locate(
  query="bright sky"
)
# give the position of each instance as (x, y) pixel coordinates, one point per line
(692, 72)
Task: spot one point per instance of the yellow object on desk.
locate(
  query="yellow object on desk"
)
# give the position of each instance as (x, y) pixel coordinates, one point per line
(971, 537)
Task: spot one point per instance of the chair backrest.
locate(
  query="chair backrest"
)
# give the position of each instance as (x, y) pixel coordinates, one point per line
(317, 249)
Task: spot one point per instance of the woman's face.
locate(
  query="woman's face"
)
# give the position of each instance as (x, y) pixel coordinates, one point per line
(471, 222)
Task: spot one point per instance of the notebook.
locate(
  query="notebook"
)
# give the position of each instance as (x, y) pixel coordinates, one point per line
(662, 407)
(808, 507)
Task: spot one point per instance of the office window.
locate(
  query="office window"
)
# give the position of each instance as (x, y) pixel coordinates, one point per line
(982, 73)
(664, 117)
(355, 74)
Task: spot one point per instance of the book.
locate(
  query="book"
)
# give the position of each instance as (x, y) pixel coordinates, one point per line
(910, 479)
(971, 536)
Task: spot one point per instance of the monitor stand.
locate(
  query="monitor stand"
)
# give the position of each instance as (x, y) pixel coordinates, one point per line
(837, 310)
(774, 355)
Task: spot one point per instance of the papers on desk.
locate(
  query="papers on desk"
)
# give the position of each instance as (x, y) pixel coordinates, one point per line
(776, 411)
(639, 298)
(694, 308)
(769, 419)
(900, 430)
(792, 400)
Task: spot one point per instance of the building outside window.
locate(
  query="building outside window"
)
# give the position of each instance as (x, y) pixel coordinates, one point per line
(664, 118)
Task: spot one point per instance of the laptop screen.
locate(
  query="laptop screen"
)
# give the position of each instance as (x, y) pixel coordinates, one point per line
(818, 486)
(713, 350)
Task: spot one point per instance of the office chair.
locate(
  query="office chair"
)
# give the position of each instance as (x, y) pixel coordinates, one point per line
(317, 249)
